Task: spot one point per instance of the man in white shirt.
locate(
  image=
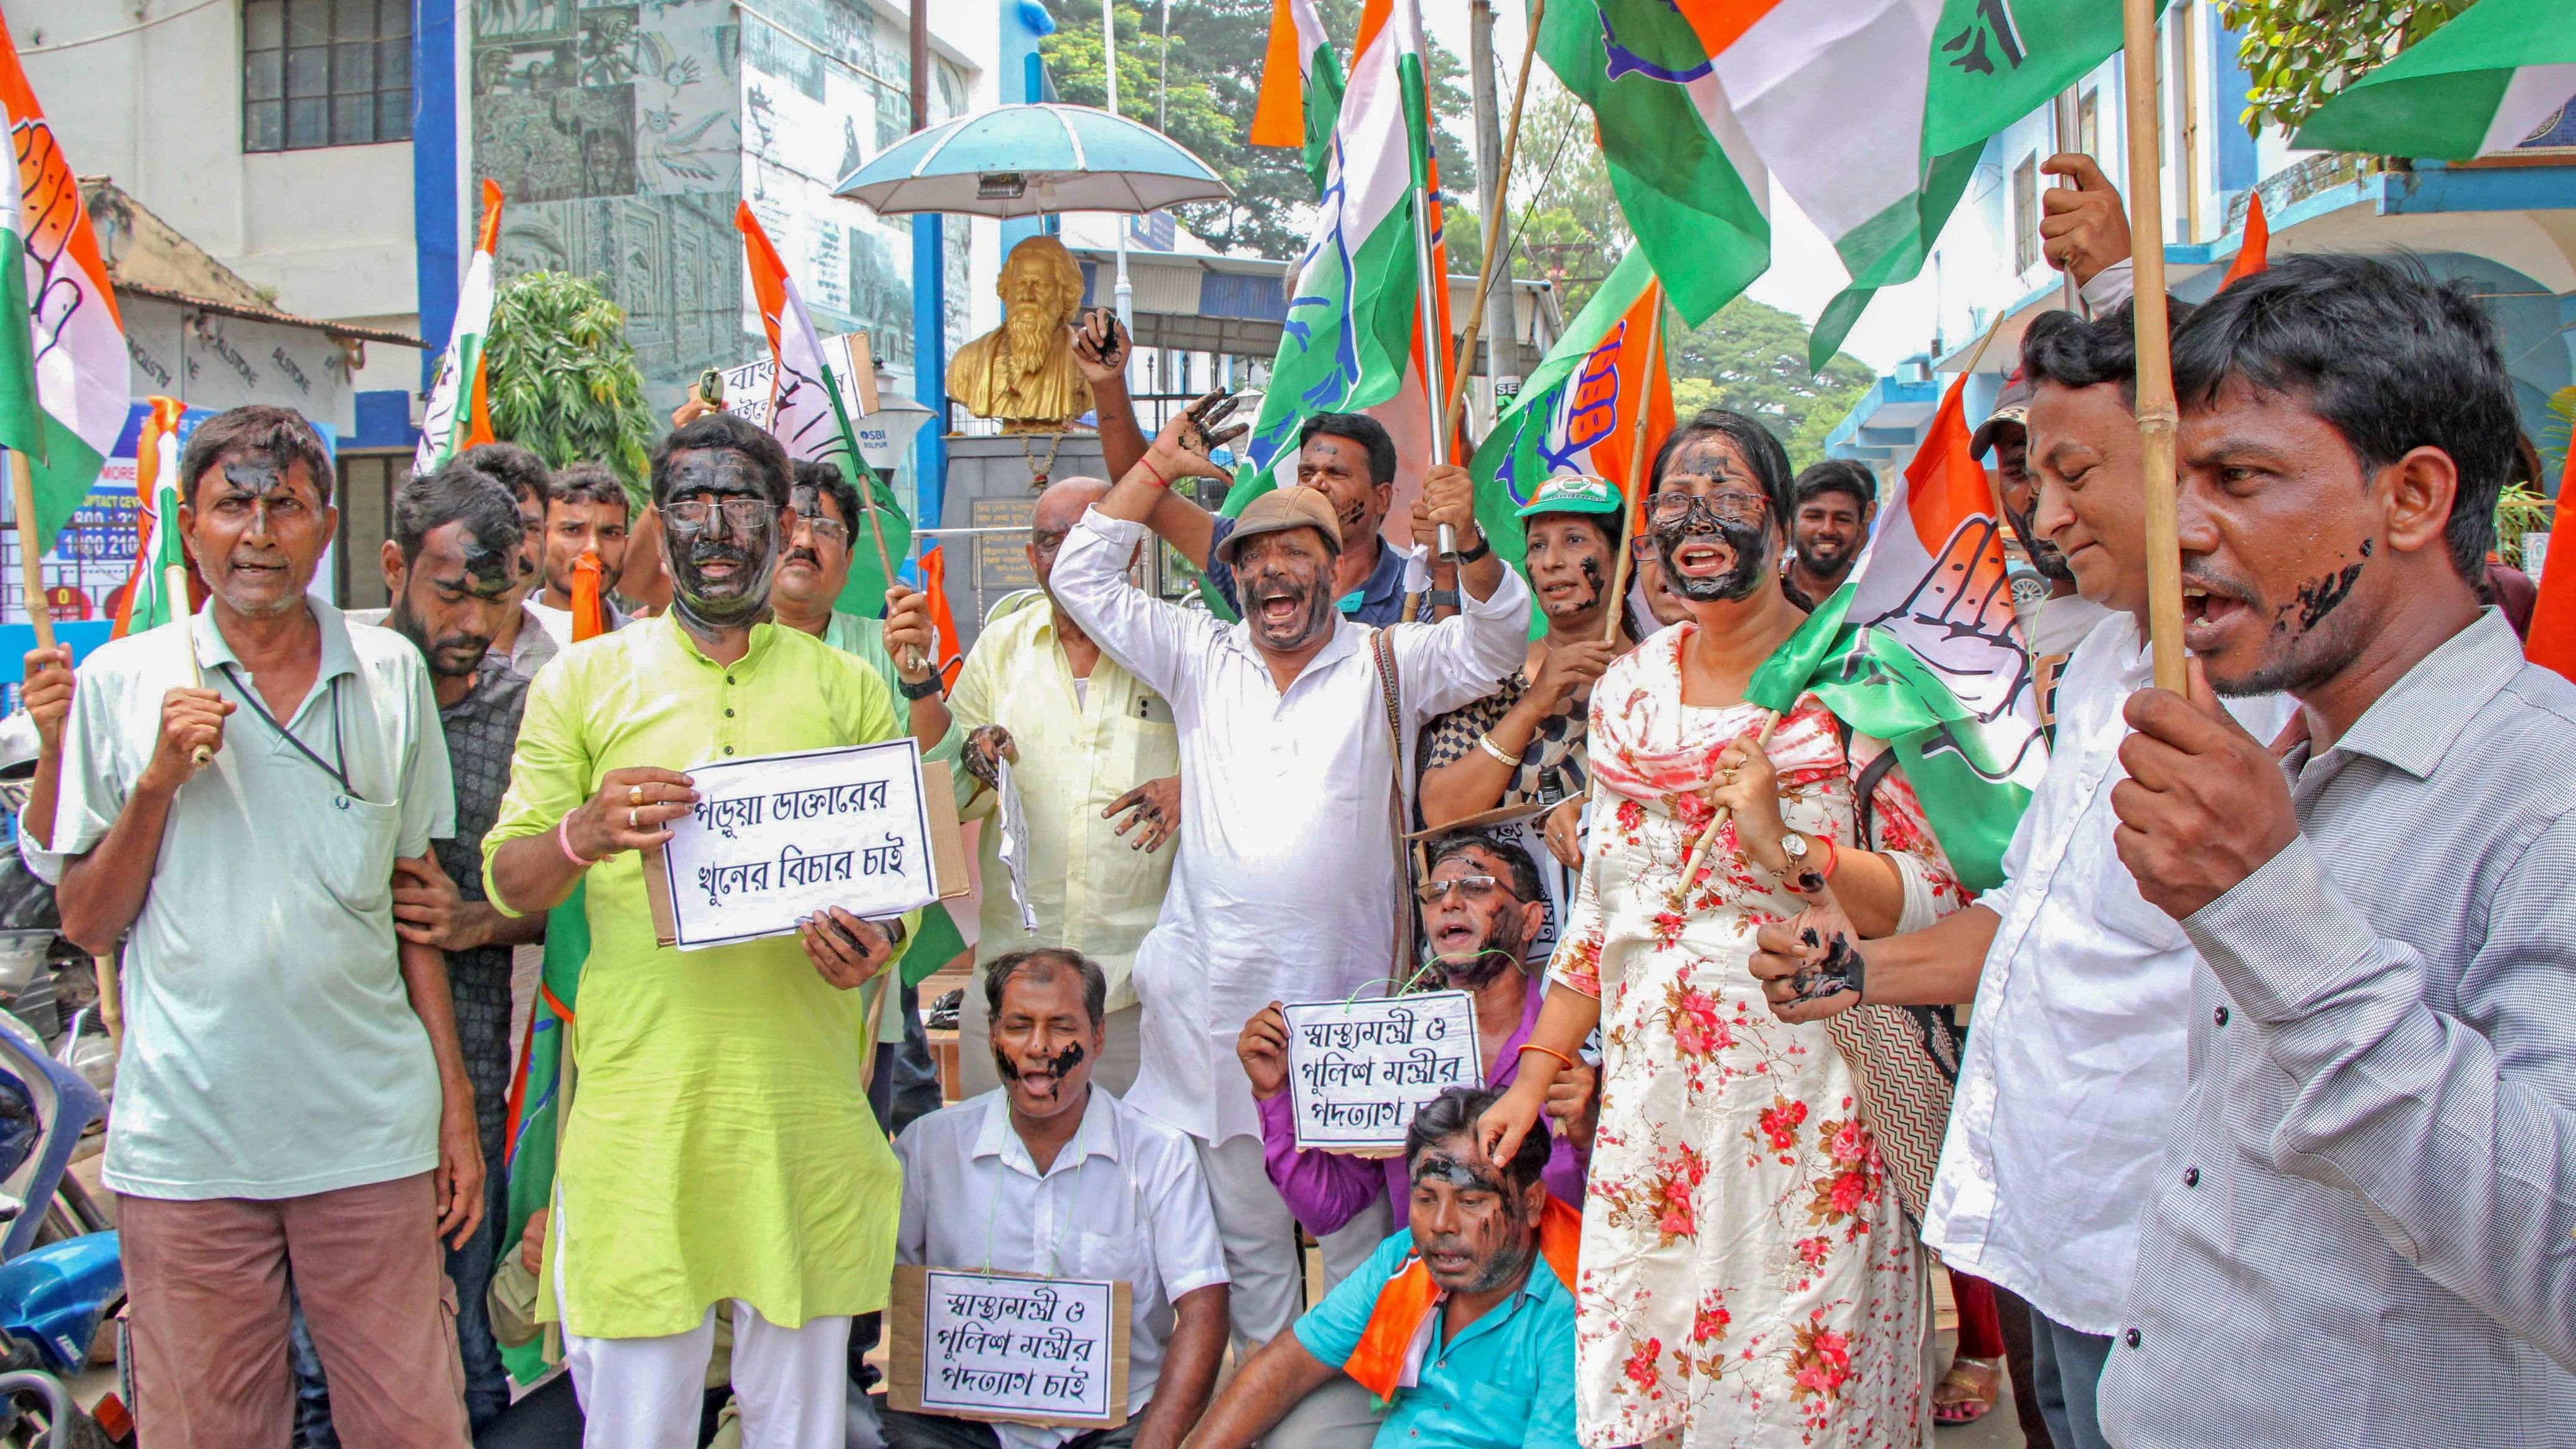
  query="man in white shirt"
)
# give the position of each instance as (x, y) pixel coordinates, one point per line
(1289, 884)
(2075, 1068)
(2061, 620)
(587, 512)
(1052, 1175)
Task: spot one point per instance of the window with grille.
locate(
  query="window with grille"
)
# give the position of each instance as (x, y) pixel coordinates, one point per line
(325, 73)
(2025, 207)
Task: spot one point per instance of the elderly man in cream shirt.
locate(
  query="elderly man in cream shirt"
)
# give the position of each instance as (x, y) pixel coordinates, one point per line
(1289, 882)
(1097, 766)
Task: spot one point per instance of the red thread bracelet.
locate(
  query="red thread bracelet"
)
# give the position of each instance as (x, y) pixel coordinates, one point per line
(1159, 480)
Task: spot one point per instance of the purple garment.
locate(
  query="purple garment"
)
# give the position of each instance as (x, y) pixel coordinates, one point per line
(1327, 1189)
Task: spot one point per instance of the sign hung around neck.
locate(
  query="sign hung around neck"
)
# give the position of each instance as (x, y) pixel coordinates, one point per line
(1359, 1070)
(869, 829)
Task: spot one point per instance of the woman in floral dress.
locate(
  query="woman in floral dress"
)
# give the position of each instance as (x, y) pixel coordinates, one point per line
(1748, 1276)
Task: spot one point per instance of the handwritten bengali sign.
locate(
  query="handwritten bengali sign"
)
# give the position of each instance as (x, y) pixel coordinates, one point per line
(999, 1346)
(774, 839)
(1359, 1070)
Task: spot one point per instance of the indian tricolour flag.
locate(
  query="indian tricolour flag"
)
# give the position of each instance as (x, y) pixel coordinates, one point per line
(1920, 648)
(71, 362)
(1870, 114)
(1352, 340)
(1578, 411)
(2479, 86)
(148, 601)
(459, 415)
(810, 418)
(1301, 86)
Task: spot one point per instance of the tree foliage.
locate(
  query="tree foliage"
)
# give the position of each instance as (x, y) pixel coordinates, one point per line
(562, 378)
(1214, 80)
(1753, 358)
(2301, 53)
(1562, 214)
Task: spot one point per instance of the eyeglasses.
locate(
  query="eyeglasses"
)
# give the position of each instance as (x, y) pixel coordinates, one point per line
(1471, 887)
(747, 514)
(823, 528)
(1669, 510)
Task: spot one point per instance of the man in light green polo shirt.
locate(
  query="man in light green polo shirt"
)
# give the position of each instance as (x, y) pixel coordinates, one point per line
(721, 1153)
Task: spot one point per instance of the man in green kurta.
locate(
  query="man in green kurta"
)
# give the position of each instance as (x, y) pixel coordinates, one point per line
(721, 1154)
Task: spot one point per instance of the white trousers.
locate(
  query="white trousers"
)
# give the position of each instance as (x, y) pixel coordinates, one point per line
(1267, 1289)
(645, 1393)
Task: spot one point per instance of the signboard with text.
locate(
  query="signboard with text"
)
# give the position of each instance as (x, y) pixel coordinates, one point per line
(1359, 1070)
(1007, 1347)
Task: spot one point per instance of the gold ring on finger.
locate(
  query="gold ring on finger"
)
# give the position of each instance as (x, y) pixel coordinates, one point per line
(635, 794)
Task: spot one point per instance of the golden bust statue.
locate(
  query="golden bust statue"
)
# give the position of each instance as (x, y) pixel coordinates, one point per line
(1023, 371)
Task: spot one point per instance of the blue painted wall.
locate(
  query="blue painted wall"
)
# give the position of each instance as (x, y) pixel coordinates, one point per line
(434, 182)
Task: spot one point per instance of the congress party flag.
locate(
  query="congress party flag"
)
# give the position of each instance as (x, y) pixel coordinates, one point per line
(1920, 648)
(147, 602)
(1352, 340)
(809, 416)
(1301, 86)
(1870, 114)
(1578, 411)
(63, 384)
(459, 413)
(2478, 86)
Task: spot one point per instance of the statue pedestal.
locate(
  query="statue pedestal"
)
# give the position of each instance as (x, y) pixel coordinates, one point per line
(992, 483)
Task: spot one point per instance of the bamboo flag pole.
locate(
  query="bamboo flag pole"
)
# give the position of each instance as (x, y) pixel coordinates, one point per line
(2157, 416)
(1629, 506)
(1456, 409)
(31, 564)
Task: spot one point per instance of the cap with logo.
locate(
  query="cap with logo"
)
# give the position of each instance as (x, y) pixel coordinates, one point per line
(1572, 493)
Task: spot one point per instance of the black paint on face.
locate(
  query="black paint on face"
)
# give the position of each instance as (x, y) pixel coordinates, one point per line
(2318, 597)
(1468, 1224)
(720, 571)
(1055, 1066)
(257, 477)
(1747, 564)
(1287, 593)
(1474, 941)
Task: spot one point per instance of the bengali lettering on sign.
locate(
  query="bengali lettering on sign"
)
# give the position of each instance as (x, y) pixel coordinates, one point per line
(774, 839)
(1000, 1346)
(1359, 1070)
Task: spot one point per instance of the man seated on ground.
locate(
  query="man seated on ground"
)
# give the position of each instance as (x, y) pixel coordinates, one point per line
(1480, 907)
(1054, 1176)
(586, 513)
(1455, 1323)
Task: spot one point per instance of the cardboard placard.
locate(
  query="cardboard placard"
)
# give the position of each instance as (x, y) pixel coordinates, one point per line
(1008, 1347)
(796, 832)
(1359, 1070)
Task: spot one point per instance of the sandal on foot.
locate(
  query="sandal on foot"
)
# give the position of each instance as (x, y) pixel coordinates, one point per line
(1968, 1391)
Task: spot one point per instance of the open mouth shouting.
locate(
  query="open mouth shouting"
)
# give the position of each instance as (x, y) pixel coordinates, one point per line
(2213, 613)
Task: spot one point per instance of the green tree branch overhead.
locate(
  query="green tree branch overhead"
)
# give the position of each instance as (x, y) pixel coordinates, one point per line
(562, 378)
(2302, 53)
(1215, 77)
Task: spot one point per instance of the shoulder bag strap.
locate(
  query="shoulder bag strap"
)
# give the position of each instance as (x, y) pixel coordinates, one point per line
(1389, 689)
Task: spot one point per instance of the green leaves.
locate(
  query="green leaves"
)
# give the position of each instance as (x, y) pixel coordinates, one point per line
(1753, 358)
(2301, 53)
(562, 378)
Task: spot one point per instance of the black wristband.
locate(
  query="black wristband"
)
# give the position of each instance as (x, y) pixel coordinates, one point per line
(1483, 547)
(926, 689)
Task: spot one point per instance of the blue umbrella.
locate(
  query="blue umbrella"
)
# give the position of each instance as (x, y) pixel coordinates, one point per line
(1024, 160)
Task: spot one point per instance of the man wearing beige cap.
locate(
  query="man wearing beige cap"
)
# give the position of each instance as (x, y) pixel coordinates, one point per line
(1289, 881)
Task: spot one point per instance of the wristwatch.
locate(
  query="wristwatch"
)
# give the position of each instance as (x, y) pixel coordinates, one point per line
(925, 689)
(1483, 547)
(1794, 846)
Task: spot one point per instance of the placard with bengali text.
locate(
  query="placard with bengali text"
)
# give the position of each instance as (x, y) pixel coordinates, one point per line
(1359, 1070)
(774, 839)
(1008, 1347)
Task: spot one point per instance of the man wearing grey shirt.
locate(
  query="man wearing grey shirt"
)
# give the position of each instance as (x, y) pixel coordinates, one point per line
(2361, 1229)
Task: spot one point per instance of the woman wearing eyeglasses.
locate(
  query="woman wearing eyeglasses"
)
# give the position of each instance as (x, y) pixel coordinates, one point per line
(1749, 1276)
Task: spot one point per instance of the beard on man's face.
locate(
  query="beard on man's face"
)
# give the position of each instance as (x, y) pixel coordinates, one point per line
(1033, 330)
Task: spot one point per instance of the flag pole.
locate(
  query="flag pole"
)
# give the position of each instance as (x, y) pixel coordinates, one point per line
(1628, 505)
(1456, 409)
(31, 564)
(2157, 415)
(1426, 310)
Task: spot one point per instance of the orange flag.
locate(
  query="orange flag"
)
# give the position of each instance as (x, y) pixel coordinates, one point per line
(589, 601)
(2256, 253)
(2553, 616)
(934, 582)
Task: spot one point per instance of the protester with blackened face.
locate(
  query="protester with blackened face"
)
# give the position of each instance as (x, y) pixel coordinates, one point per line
(1052, 1175)
(2383, 1067)
(1461, 1324)
(291, 1083)
(721, 1150)
(1481, 906)
(1288, 883)
(1658, 963)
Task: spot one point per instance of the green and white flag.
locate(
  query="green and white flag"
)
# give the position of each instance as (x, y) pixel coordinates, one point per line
(2479, 86)
(1870, 114)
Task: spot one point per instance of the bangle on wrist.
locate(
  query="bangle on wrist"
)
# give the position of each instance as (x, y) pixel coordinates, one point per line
(1486, 743)
(927, 688)
(563, 839)
(1531, 1046)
